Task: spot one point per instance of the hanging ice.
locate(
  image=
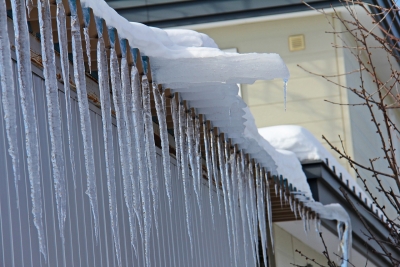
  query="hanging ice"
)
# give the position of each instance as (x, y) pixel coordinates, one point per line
(261, 212)
(198, 154)
(190, 132)
(160, 107)
(209, 167)
(228, 183)
(184, 169)
(269, 209)
(22, 48)
(62, 37)
(150, 146)
(138, 126)
(249, 207)
(86, 20)
(234, 197)
(108, 138)
(29, 6)
(127, 110)
(242, 203)
(53, 110)
(253, 208)
(215, 166)
(80, 81)
(175, 119)
(221, 159)
(8, 95)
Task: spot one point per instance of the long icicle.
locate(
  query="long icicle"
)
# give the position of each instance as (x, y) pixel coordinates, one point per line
(54, 113)
(150, 146)
(248, 178)
(185, 171)
(199, 164)
(86, 20)
(242, 203)
(261, 211)
(175, 120)
(209, 168)
(108, 139)
(190, 133)
(138, 126)
(159, 100)
(269, 209)
(215, 166)
(8, 95)
(232, 182)
(127, 110)
(221, 159)
(228, 182)
(22, 49)
(253, 209)
(63, 44)
(83, 104)
(123, 140)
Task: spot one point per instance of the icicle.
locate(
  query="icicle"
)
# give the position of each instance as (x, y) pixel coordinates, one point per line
(285, 92)
(53, 110)
(150, 146)
(276, 189)
(308, 219)
(80, 81)
(175, 120)
(22, 50)
(133, 182)
(230, 198)
(242, 202)
(249, 210)
(123, 140)
(8, 95)
(160, 107)
(280, 195)
(295, 207)
(234, 198)
(253, 208)
(138, 126)
(209, 168)
(192, 156)
(63, 44)
(215, 166)
(269, 210)
(29, 6)
(318, 225)
(261, 211)
(221, 159)
(185, 171)
(108, 142)
(299, 209)
(86, 20)
(198, 153)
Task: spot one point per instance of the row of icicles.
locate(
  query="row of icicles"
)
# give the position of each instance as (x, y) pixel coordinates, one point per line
(244, 183)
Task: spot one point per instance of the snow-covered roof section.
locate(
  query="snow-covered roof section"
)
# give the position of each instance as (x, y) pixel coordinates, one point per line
(306, 147)
(178, 48)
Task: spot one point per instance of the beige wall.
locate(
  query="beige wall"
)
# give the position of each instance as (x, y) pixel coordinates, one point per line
(285, 250)
(306, 92)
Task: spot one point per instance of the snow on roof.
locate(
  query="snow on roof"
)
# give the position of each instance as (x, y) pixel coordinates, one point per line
(306, 147)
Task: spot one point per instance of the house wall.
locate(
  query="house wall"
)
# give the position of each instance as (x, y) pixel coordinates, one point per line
(170, 247)
(306, 92)
(366, 142)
